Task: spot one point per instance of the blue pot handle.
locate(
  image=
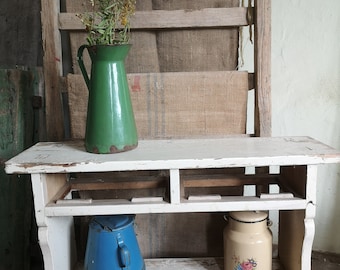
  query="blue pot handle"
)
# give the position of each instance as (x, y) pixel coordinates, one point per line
(123, 253)
(82, 66)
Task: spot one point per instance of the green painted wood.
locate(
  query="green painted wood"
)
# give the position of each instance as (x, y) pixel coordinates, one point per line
(16, 134)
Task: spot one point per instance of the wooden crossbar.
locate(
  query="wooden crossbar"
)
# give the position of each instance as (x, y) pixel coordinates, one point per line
(166, 19)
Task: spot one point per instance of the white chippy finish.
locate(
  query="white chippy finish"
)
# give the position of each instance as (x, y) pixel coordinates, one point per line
(175, 187)
(66, 157)
(309, 236)
(50, 163)
(226, 204)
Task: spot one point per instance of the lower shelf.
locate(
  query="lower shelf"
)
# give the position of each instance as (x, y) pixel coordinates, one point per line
(189, 264)
(224, 204)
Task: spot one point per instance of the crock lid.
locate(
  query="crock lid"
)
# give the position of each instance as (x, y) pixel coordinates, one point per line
(112, 223)
(248, 216)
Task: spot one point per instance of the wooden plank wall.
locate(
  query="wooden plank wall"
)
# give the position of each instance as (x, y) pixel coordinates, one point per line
(52, 62)
(16, 201)
(176, 51)
(175, 104)
(262, 60)
(20, 25)
(165, 104)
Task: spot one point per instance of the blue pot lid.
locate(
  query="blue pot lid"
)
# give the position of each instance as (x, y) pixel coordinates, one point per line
(112, 223)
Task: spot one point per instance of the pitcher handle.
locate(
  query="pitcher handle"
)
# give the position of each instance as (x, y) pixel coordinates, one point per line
(82, 66)
(124, 253)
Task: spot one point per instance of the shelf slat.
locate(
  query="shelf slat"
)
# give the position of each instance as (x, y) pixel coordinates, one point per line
(225, 204)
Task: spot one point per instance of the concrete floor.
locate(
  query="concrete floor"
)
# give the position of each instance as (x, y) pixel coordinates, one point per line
(321, 261)
(324, 261)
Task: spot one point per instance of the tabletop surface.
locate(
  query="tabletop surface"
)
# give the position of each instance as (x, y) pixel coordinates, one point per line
(70, 156)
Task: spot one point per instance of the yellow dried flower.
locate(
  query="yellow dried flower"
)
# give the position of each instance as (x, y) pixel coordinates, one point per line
(109, 21)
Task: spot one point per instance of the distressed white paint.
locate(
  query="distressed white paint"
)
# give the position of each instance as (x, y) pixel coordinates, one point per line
(55, 220)
(175, 186)
(309, 236)
(306, 93)
(66, 157)
(225, 204)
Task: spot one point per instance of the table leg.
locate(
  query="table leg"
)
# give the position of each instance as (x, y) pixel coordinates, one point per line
(57, 243)
(309, 237)
(56, 234)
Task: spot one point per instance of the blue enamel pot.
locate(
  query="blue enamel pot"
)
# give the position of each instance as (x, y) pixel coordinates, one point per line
(112, 244)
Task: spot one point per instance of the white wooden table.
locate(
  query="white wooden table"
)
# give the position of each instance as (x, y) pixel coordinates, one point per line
(297, 158)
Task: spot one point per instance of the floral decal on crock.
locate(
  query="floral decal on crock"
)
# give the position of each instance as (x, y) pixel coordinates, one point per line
(249, 264)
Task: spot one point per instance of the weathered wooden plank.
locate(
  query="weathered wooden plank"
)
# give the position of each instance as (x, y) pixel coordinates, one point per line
(20, 26)
(52, 62)
(174, 19)
(291, 230)
(61, 193)
(170, 105)
(298, 226)
(16, 134)
(228, 180)
(262, 45)
(294, 179)
(81, 184)
(153, 182)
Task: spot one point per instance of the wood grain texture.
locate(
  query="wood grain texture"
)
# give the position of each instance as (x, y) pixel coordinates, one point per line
(291, 234)
(294, 180)
(20, 31)
(174, 19)
(16, 134)
(262, 26)
(52, 62)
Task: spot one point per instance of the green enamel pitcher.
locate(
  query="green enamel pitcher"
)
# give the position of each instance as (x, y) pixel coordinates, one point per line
(110, 123)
